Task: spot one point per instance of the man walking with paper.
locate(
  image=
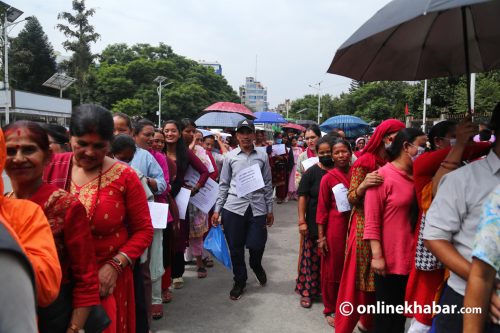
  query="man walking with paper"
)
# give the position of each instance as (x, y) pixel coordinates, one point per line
(245, 203)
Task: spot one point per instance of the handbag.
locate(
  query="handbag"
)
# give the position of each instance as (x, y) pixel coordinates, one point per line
(56, 317)
(424, 259)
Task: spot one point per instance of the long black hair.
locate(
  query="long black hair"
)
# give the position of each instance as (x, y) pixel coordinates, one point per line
(181, 156)
(404, 135)
(90, 119)
(440, 130)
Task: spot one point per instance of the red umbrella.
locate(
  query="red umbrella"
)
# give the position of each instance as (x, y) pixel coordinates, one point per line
(231, 107)
(294, 126)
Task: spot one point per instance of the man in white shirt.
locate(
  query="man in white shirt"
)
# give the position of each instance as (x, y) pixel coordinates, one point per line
(451, 225)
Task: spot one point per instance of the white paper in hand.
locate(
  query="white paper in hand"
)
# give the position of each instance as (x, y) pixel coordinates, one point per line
(249, 180)
(182, 200)
(278, 149)
(159, 214)
(310, 162)
(191, 176)
(205, 199)
(340, 194)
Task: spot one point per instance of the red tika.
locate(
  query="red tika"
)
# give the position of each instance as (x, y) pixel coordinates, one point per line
(336, 224)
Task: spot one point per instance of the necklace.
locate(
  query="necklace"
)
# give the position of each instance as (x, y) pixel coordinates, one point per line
(93, 207)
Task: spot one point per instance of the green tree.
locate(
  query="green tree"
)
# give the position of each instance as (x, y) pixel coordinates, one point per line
(130, 106)
(32, 59)
(125, 76)
(80, 34)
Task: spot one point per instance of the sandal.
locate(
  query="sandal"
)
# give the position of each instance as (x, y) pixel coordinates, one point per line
(330, 319)
(306, 302)
(202, 272)
(208, 262)
(157, 311)
(166, 296)
(178, 283)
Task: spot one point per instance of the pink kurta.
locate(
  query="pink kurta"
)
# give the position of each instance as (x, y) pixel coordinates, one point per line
(387, 218)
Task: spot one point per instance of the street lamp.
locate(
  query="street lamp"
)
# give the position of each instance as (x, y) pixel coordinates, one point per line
(160, 79)
(319, 98)
(300, 111)
(10, 15)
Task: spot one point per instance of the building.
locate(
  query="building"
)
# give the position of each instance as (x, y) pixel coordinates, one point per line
(283, 108)
(212, 64)
(254, 95)
(35, 107)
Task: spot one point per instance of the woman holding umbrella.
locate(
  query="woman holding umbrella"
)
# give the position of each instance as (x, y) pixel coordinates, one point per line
(357, 283)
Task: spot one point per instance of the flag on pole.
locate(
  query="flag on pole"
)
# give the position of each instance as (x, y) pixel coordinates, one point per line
(407, 111)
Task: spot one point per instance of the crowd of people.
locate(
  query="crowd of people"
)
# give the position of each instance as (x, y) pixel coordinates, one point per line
(414, 219)
(391, 217)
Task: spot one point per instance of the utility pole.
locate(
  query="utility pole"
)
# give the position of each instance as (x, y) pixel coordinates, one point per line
(319, 99)
(425, 107)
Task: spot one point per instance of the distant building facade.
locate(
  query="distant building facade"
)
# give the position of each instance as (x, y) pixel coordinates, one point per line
(282, 108)
(254, 95)
(212, 64)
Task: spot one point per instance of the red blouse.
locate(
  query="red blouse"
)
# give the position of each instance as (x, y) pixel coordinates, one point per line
(70, 227)
(121, 221)
(336, 223)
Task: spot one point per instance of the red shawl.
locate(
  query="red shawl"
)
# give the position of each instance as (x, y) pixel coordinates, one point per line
(57, 172)
(310, 153)
(340, 176)
(369, 159)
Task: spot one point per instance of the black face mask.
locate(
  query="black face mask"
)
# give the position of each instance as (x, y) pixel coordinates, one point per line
(326, 161)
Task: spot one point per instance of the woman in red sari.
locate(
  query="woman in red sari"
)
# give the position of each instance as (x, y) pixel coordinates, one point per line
(332, 223)
(116, 207)
(28, 152)
(357, 283)
(451, 143)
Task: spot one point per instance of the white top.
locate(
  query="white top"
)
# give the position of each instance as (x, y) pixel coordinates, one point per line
(455, 211)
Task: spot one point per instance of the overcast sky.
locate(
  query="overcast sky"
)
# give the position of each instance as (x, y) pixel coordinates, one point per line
(294, 40)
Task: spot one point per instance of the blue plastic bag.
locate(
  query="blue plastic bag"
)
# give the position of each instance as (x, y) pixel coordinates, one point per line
(216, 244)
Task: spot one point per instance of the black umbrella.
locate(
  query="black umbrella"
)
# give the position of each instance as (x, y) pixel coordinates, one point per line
(416, 39)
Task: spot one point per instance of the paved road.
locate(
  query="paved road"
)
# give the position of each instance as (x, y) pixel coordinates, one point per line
(203, 305)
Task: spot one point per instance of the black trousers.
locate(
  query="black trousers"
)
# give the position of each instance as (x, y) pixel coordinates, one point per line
(141, 311)
(178, 265)
(391, 290)
(449, 322)
(241, 231)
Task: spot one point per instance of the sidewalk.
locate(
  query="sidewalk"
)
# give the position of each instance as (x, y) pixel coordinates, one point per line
(203, 305)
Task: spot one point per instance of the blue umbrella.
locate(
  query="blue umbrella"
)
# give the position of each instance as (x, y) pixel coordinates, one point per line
(266, 117)
(219, 119)
(351, 125)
